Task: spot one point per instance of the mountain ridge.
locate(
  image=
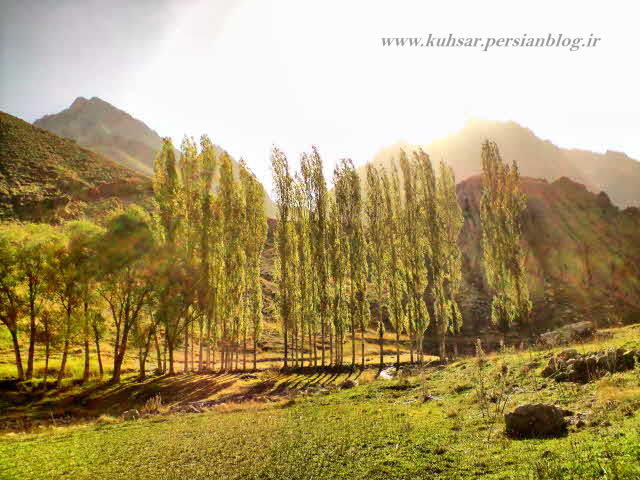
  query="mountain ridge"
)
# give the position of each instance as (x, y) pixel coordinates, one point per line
(98, 125)
(613, 172)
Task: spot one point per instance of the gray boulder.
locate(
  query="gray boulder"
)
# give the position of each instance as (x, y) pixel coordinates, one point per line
(569, 333)
(536, 420)
(132, 414)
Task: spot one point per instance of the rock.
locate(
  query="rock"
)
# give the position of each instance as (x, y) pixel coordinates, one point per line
(536, 420)
(387, 373)
(628, 359)
(550, 369)
(567, 354)
(349, 384)
(132, 414)
(567, 334)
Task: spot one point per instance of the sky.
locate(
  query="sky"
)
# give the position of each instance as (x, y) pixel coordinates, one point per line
(254, 73)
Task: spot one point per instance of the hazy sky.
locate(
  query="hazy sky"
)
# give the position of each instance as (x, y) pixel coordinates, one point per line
(295, 73)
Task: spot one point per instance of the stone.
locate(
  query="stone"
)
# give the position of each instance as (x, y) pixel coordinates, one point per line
(567, 334)
(536, 420)
(349, 384)
(387, 373)
(628, 359)
(568, 354)
(132, 414)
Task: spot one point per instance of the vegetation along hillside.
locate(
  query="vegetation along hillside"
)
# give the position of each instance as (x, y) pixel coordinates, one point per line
(44, 177)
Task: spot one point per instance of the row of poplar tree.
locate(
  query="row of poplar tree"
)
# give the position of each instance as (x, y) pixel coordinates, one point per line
(186, 273)
(395, 233)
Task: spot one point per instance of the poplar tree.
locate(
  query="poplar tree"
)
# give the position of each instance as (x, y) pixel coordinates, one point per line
(255, 237)
(377, 242)
(338, 264)
(416, 249)
(444, 222)
(234, 261)
(207, 160)
(349, 211)
(501, 208)
(283, 188)
(316, 189)
(168, 214)
(395, 266)
(304, 291)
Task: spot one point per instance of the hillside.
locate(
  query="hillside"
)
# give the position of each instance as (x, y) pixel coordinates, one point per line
(100, 126)
(612, 172)
(44, 176)
(583, 252)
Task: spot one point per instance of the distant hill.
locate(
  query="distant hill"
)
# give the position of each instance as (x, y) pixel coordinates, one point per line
(100, 126)
(44, 176)
(612, 172)
(583, 253)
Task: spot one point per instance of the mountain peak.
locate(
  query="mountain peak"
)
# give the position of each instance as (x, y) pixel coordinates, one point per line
(79, 103)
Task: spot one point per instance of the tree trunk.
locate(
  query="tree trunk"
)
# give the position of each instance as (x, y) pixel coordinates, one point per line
(244, 352)
(170, 348)
(353, 343)
(85, 328)
(16, 350)
(63, 364)
(364, 361)
(200, 346)
(255, 354)
(411, 340)
(186, 348)
(32, 337)
(117, 367)
(323, 334)
(159, 368)
(286, 345)
(398, 346)
(381, 333)
(443, 349)
(46, 353)
(99, 355)
(193, 356)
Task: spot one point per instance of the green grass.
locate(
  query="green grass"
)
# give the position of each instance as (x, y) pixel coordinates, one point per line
(378, 430)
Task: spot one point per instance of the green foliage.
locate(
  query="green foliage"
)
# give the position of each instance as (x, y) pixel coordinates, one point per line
(504, 256)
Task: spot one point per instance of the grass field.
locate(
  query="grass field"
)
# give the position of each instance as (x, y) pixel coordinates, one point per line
(380, 429)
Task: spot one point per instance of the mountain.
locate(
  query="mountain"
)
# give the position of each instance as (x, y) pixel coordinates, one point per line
(583, 253)
(44, 176)
(99, 126)
(611, 172)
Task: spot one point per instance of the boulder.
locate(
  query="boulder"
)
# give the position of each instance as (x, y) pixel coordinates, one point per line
(628, 359)
(536, 420)
(349, 384)
(387, 373)
(567, 354)
(132, 414)
(567, 334)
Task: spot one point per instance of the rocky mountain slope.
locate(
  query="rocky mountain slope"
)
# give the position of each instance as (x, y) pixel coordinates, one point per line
(44, 176)
(100, 126)
(583, 253)
(612, 172)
